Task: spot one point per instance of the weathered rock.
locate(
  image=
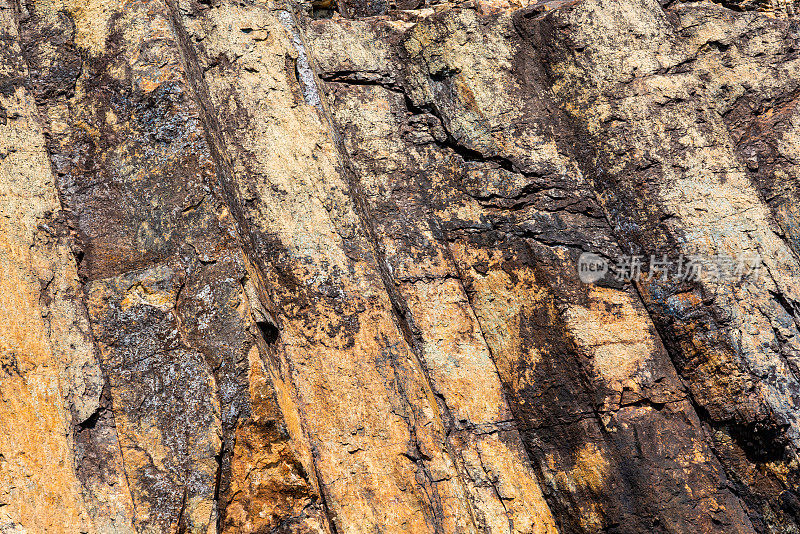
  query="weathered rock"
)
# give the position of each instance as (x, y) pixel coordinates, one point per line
(310, 267)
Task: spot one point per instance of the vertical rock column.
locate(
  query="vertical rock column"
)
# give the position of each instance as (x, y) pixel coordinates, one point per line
(50, 381)
(366, 399)
(668, 175)
(636, 82)
(173, 299)
(369, 110)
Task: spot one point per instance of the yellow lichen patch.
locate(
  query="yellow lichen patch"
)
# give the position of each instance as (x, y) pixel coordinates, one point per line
(44, 494)
(615, 330)
(151, 442)
(591, 516)
(139, 294)
(201, 511)
(91, 19)
(500, 303)
(589, 468)
(488, 7)
(504, 460)
(23, 331)
(91, 22)
(587, 473)
(454, 351)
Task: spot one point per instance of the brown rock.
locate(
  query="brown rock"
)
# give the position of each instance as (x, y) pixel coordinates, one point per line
(310, 267)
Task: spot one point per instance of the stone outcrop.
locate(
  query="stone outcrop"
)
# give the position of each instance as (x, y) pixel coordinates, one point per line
(312, 267)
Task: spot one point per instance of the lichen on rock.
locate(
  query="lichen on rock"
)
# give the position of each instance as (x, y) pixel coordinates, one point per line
(312, 267)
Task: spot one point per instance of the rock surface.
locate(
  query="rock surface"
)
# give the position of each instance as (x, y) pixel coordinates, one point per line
(312, 267)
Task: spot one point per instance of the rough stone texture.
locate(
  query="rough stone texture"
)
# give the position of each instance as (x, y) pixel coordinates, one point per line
(310, 267)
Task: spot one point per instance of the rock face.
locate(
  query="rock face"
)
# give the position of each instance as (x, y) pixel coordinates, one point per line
(313, 267)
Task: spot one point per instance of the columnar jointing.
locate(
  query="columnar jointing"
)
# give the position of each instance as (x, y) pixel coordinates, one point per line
(310, 267)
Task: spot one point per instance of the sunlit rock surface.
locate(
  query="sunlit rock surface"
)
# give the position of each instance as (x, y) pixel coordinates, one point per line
(312, 267)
